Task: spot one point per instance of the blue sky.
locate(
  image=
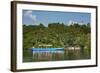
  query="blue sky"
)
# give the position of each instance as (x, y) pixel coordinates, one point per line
(35, 17)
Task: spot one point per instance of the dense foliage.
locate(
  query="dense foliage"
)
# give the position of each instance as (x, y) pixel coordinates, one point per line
(57, 34)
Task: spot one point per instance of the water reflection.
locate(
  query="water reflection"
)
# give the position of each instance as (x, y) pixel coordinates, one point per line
(47, 54)
(55, 54)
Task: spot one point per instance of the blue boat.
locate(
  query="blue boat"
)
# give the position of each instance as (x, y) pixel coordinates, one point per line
(51, 50)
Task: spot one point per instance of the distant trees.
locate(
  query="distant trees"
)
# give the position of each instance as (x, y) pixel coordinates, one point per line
(57, 34)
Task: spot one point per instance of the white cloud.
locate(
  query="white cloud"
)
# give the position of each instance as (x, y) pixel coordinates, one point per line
(71, 22)
(30, 15)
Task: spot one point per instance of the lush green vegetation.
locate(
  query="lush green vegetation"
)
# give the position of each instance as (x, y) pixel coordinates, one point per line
(57, 34)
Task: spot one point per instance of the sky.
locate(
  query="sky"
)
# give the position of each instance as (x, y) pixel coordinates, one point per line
(35, 17)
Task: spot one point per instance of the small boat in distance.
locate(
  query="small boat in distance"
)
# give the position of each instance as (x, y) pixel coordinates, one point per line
(46, 48)
(51, 50)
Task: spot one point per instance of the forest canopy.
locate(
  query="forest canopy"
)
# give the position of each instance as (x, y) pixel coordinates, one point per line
(57, 34)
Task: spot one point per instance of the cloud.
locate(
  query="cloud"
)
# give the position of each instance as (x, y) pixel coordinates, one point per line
(71, 22)
(30, 15)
